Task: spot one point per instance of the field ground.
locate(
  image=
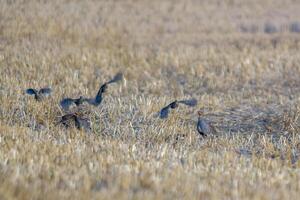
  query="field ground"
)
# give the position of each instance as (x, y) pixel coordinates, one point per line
(240, 59)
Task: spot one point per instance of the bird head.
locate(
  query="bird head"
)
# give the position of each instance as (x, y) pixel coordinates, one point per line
(200, 113)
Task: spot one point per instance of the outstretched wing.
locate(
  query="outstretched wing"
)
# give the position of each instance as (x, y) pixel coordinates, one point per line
(45, 91)
(163, 114)
(31, 91)
(66, 103)
(189, 102)
(98, 98)
(173, 105)
(116, 78)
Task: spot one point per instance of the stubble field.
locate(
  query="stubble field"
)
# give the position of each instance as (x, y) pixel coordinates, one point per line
(239, 59)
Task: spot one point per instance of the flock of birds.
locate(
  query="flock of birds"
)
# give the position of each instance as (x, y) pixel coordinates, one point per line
(75, 117)
(203, 126)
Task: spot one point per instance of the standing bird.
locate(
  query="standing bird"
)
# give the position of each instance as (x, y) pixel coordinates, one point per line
(164, 112)
(80, 123)
(67, 102)
(203, 127)
(39, 95)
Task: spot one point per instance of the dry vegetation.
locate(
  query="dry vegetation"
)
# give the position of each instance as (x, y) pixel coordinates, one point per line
(240, 59)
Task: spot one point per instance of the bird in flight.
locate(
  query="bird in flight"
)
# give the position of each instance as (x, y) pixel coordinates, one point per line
(203, 127)
(164, 112)
(99, 97)
(67, 102)
(39, 95)
(80, 122)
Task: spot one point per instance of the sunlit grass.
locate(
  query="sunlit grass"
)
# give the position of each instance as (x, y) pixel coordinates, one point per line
(246, 81)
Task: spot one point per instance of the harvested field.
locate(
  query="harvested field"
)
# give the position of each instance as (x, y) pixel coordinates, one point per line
(239, 59)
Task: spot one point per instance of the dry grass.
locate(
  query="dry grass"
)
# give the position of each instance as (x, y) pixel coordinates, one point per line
(240, 59)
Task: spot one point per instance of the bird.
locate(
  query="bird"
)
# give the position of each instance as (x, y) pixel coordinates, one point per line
(96, 101)
(39, 94)
(99, 96)
(203, 127)
(80, 122)
(67, 102)
(164, 112)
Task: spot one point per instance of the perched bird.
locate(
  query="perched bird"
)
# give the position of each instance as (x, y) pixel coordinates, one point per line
(67, 102)
(164, 112)
(203, 127)
(39, 94)
(80, 122)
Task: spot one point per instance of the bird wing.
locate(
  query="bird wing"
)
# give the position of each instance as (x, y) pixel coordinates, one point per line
(66, 103)
(203, 127)
(31, 91)
(45, 91)
(98, 98)
(116, 78)
(173, 105)
(164, 112)
(189, 102)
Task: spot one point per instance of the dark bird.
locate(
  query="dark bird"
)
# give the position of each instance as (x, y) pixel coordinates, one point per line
(164, 112)
(80, 122)
(67, 102)
(203, 127)
(39, 94)
(99, 97)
